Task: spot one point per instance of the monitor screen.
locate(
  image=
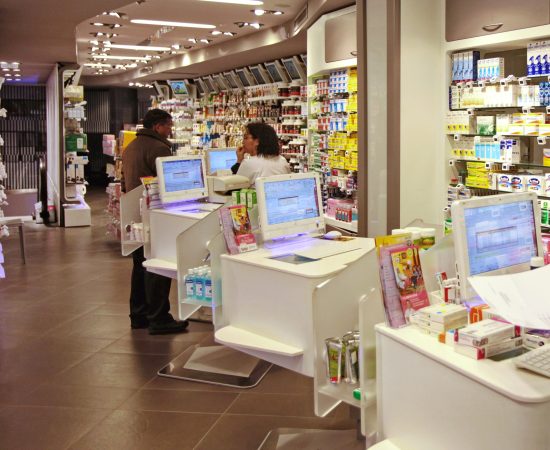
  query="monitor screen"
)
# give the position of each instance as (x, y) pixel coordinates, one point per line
(291, 200)
(273, 72)
(243, 78)
(221, 160)
(178, 87)
(182, 175)
(289, 205)
(500, 236)
(257, 75)
(180, 178)
(230, 81)
(494, 235)
(291, 69)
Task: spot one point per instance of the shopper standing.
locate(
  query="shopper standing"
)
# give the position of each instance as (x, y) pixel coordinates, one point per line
(261, 143)
(149, 295)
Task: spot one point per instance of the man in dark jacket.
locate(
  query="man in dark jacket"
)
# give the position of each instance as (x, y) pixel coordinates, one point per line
(149, 295)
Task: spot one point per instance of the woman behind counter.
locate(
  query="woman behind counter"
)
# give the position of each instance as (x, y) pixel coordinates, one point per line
(261, 143)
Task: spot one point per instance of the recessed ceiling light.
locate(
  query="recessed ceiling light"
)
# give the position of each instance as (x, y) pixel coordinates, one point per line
(96, 65)
(131, 83)
(215, 33)
(256, 25)
(172, 24)
(278, 13)
(94, 42)
(238, 2)
(16, 70)
(176, 46)
(193, 40)
(6, 70)
(17, 75)
(140, 47)
(206, 41)
(229, 33)
(259, 12)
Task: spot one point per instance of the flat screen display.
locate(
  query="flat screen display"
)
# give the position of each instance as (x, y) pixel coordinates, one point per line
(178, 87)
(257, 75)
(231, 81)
(243, 78)
(291, 200)
(500, 236)
(182, 175)
(274, 73)
(221, 160)
(291, 69)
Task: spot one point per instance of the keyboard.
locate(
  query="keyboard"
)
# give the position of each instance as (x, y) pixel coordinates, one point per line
(537, 360)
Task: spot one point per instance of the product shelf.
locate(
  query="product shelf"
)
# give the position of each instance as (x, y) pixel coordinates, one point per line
(348, 226)
(192, 301)
(344, 392)
(523, 164)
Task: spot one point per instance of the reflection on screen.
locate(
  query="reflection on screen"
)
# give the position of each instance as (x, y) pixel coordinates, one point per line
(182, 175)
(291, 200)
(221, 160)
(243, 78)
(231, 81)
(500, 236)
(257, 75)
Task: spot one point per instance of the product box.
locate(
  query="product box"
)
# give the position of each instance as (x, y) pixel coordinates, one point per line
(515, 129)
(486, 331)
(476, 312)
(485, 125)
(535, 183)
(486, 351)
(503, 122)
(443, 313)
(536, 338)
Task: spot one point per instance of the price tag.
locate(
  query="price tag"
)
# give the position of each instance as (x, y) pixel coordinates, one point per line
(471, 111)
(469, 84)
(451, 162)
(482, 83)
(523, 81)
(477, 139)
(457, 137)
(488, 165)
(494, 80)
(505, 166)
(497, 138)
(460, 84)
(526, 109)
(503, 82)
(541, 140)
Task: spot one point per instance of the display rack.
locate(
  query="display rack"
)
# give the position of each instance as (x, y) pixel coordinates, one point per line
(332, 125)
(497, 119)
(4, 232)
(76, 212)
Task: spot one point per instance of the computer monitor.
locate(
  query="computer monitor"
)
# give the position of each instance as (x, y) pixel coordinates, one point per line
(276, 71)
(220, 159)
(495, 235)
(245, 77)
(181, 178)
(232, 80)
(295, 68)
(260, 74)
(289, 205)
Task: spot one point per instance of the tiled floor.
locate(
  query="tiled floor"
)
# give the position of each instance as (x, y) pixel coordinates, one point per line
(74, 375)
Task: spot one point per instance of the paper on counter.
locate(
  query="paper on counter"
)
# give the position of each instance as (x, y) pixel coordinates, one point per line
(521, 298)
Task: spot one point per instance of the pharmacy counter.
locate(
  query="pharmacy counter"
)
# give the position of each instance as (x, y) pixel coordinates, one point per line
(430, 397)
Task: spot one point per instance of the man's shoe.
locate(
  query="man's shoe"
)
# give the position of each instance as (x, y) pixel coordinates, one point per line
(174, 326)
(138, 324)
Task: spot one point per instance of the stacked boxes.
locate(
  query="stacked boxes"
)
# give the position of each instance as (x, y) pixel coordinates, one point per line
(538, 58)
(490, 68)
(464, 66)
(478, 175)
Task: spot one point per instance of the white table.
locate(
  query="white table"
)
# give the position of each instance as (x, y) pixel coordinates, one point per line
(18, 221)
(432, 398)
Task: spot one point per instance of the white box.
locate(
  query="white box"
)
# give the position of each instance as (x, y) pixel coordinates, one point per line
(79, 215)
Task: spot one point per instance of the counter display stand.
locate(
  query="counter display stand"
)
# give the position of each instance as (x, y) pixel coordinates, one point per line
(288, 326)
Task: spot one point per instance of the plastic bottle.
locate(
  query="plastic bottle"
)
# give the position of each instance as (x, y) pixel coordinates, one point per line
(208, 286)
(190, 284)
(199, 284)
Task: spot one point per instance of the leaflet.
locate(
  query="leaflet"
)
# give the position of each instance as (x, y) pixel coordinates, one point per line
(521, 298)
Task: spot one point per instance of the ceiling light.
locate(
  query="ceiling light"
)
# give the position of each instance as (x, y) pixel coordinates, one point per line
(238, 2)
(98, 24)
(278, 13)
(97, 65)
(95, 49)
(259, 12)
(134, 58)
(206, 41)
(193, 40)
(172, 24)
(130, 83)
(156, 56)
(173, 52)
(94, 42)
(256, 25)
(17, 75)
(176, 46)
(215, 32)
(6, 70)
(229, 33)
(16, 70)
(140, 47)
(131, 66)
(262, 12)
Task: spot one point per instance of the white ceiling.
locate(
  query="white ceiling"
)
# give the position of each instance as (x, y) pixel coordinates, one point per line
(43, 32)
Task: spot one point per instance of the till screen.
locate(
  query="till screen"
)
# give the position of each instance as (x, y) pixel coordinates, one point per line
(291, 200)
(500, 236)
(221, 160)
(182, 175)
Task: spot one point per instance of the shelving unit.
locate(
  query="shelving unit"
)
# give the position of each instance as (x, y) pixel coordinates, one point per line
(332, 130)
(509, 155)
(4, 232)
(76, 212)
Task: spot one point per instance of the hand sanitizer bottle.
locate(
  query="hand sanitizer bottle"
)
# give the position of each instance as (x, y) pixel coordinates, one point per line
(199, 284)
(208, 286)
(190, 284)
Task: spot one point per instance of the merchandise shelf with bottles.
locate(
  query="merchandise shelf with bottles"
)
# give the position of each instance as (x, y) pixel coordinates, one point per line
(498, 118)
(332, 130)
